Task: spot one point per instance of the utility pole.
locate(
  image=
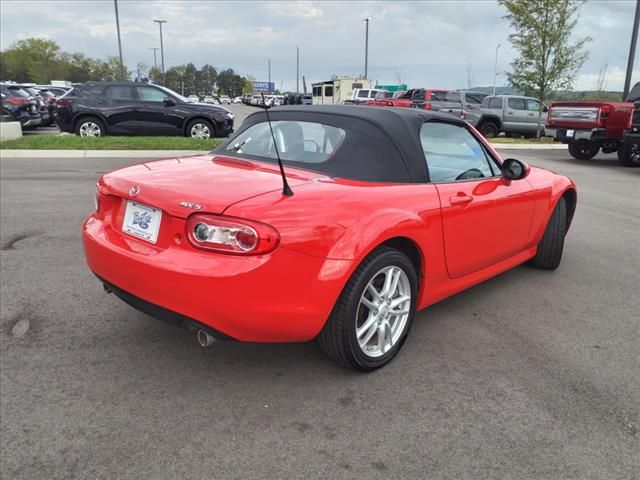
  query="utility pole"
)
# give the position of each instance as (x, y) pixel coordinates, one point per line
(269, 74)
(160, 22)
(297, 69)
(632, 51)
(155, 58)
(495, 69)
(115, 4)
(366, 46)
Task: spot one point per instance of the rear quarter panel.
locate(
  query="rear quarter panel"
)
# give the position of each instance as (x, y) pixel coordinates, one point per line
(342, 220)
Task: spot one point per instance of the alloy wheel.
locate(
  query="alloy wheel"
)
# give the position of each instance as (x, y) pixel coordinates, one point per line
(90, 129)
(383, 311)
(200, 131)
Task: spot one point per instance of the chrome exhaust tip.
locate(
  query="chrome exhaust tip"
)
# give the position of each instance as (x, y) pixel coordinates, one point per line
(204, 339)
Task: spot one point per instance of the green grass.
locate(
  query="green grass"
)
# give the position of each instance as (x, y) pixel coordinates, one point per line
(74, 142)
(521, 140)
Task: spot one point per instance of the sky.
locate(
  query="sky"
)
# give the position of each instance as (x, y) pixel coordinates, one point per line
(439, 44)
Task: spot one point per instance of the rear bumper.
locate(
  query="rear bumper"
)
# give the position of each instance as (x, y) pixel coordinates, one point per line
(284, 296)
(567, 135)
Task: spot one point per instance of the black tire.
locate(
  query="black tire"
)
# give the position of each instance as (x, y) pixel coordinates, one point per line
(489, 130)
(550, 247)
(91, 127)
(338, 336)
(583, 149)
(629, 153)
(201, 125)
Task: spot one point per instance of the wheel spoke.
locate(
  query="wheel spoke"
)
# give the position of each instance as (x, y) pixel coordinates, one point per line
(382, 340)
(366, 326)
(372, 330)
(369, 304)
(388, 282)
(376, 295)
(399, 301)
(401, 311)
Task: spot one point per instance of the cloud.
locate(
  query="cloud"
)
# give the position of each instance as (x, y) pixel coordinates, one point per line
(422, 43)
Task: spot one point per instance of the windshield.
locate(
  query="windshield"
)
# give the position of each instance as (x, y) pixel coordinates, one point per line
(171, 92)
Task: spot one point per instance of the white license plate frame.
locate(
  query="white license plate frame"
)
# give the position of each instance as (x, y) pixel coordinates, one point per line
(142, 221)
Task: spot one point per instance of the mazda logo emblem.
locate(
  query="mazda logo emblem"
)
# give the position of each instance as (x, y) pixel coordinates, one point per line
(135, 190)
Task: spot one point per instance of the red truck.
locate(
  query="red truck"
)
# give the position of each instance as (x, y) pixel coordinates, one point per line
(415, 98)
(589, 126)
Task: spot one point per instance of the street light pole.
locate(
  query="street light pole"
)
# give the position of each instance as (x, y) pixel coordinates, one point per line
(495, 70)
(632, 52)
(269, 74)
(160, 22)
(155, 58)
(366, 46)
(115, 4)
(297, 69)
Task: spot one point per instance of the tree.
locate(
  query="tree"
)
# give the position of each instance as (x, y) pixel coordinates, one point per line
(547, 60)
(206, 79)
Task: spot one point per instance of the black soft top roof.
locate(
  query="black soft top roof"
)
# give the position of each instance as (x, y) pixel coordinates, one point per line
(382, 144)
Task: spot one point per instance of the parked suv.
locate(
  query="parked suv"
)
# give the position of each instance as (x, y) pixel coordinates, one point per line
(18, 106)
(130, 108)
(511, 114)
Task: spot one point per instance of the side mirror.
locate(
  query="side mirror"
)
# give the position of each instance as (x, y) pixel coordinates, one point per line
(513, 169)
(169, 102)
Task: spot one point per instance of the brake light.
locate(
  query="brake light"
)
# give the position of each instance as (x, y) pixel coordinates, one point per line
(605, 111)
(427, 106)
(17, 101)
(231, 235)
(63, 102)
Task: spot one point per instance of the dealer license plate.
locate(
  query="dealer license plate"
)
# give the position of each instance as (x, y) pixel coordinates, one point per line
(142, 221)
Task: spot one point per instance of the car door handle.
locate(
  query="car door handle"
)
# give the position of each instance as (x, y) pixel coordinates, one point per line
(509, 113)
(460, 199)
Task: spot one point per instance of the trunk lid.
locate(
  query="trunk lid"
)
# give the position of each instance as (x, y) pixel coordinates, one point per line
(209, 183)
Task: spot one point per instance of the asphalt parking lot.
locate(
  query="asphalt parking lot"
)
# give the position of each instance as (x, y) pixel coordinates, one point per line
(531, 375)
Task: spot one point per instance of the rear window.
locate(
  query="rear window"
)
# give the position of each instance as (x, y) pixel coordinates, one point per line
(119, 92)
(453, 97)
(474, 98)
(305, 142)
(495, 103)
(439, 96)
(516, 103)
(15, 92)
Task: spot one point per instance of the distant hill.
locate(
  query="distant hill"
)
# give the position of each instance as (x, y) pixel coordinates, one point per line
(560, 95)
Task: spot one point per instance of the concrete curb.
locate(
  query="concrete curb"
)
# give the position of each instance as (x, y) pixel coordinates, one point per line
(98, 153)
(528, 146)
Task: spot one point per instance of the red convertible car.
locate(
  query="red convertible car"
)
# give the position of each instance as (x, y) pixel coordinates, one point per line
(328, 222)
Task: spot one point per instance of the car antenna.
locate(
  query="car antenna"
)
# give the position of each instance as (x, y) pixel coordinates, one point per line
(286, 189)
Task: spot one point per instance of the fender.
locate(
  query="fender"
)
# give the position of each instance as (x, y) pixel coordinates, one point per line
(558, 186)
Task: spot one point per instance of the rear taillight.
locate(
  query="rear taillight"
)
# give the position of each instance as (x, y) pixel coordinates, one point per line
(549, 116)
(605, 111)
(63, 102)
(427, 106)
(17, 101)
(231, 235)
